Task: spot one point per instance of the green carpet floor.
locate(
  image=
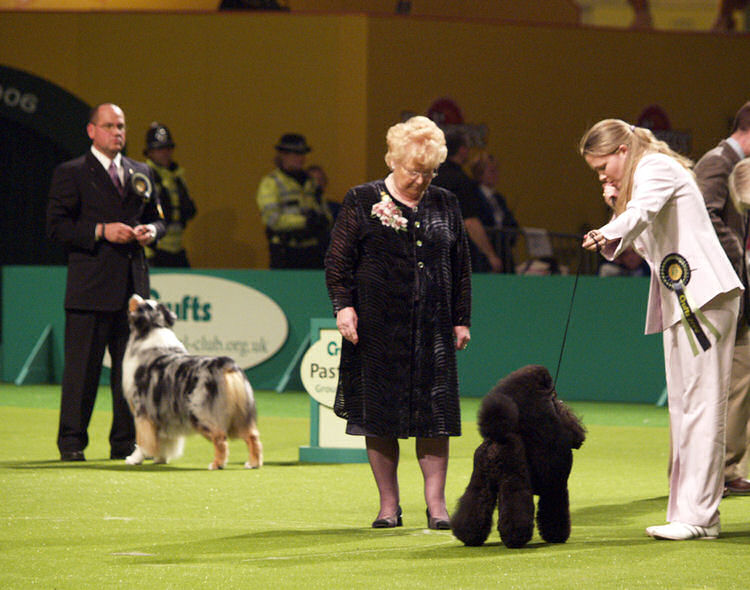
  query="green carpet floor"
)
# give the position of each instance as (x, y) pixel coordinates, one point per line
(102, 524)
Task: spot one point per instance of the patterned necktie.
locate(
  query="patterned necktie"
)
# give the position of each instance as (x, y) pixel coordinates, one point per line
(115, 177)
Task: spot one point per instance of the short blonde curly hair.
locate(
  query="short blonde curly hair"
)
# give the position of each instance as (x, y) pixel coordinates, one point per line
(417, 139)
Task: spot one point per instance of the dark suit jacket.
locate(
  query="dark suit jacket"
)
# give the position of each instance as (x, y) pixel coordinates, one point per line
(451, 176)
(712, 173)
(100, 274)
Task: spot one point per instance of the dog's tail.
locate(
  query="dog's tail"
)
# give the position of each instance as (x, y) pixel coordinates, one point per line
(497, 417)
(239, 392)
(244, 415)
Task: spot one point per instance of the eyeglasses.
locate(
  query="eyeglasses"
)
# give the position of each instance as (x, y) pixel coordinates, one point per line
(415, 173)
(111, 127)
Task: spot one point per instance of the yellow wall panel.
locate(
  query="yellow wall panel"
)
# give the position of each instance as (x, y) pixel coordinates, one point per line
(549, 11)
(105, 5)
(229, 84)
(538, 89)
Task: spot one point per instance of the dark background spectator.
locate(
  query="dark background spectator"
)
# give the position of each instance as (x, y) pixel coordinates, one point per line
(452, 176)
(712, 173)
(172, 191)
(496, 217)
(297, 220)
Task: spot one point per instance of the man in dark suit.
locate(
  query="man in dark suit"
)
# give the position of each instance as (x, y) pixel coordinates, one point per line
(712, 173)
(103, 211)
(452, 177)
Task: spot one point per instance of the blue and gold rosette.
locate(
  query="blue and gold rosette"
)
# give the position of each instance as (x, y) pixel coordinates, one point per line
(143, 187)
(674, 273)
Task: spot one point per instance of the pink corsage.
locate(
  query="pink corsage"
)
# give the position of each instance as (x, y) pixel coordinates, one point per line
(389, 213)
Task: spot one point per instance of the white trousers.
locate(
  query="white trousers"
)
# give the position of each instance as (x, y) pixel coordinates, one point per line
(697, 389)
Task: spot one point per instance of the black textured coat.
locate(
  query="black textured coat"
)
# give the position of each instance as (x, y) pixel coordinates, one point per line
(409, 289)
(528, 436)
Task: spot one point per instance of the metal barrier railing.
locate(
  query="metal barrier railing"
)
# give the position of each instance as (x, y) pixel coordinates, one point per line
(561, 250)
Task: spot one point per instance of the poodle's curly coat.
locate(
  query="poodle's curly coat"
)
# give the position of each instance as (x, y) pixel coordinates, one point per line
(528, 436)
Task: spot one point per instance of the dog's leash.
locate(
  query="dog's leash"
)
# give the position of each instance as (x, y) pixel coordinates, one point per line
(570, 312)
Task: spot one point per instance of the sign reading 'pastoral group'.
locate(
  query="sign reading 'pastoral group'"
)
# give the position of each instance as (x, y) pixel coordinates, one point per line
(319, 368)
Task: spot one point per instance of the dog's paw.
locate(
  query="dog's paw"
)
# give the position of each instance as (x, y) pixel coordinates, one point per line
(249, 465)
(214, 466)
(160, 461)
(135, 458)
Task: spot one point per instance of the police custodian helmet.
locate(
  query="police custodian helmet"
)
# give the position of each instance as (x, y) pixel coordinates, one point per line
(158, 136)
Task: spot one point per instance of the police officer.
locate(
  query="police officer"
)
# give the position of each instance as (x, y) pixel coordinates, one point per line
(297, 219)
(178, 207)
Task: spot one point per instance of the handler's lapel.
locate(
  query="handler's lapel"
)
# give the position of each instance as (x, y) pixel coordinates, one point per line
(102, 182)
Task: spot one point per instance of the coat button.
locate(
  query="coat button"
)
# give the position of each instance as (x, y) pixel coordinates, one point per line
(417, 224)
(420, 264)
(419, 242)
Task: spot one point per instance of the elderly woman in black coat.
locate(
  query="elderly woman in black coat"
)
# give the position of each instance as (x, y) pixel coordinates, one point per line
(399, 277)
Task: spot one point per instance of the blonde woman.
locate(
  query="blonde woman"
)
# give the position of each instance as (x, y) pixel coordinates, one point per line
(739, 186)
(693, 301)
(399, 278)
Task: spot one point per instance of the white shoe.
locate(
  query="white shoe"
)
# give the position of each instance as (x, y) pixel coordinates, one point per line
(679, 531)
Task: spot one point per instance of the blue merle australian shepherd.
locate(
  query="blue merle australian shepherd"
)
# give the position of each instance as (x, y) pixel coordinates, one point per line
(173, 393)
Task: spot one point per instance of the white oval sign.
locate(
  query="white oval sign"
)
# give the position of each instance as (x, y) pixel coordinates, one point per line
(218, 317)
(319, 368)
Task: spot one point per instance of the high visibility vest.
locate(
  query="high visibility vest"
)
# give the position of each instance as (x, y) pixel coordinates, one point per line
(286, 206)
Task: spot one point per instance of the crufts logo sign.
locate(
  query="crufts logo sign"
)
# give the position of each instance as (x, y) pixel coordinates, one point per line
(219, 317)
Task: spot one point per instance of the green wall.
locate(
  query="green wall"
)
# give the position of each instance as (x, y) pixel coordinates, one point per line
(517, 320)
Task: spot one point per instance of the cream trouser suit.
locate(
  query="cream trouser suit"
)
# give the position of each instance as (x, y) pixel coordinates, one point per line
(666, 217)
(697, 391)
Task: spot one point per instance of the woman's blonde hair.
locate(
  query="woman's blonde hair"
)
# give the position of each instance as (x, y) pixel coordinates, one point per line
(739, 186)
(419, 139)
(607, 136)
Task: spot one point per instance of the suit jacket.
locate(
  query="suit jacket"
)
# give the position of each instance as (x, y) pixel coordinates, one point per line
(101, 275)
(712, 173)
(452, 177)
(666, 214)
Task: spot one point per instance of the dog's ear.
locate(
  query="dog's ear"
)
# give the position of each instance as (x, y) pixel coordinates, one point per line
(572, 424)
(498, 416)
(169, 317)
(135, 301)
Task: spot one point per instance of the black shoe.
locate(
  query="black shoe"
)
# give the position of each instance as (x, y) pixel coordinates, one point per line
(739, 486)
(117, 455)
(389, 522)
(440, 524)
(72, 456)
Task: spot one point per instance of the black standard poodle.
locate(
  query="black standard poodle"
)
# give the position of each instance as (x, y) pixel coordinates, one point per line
(528, 436)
